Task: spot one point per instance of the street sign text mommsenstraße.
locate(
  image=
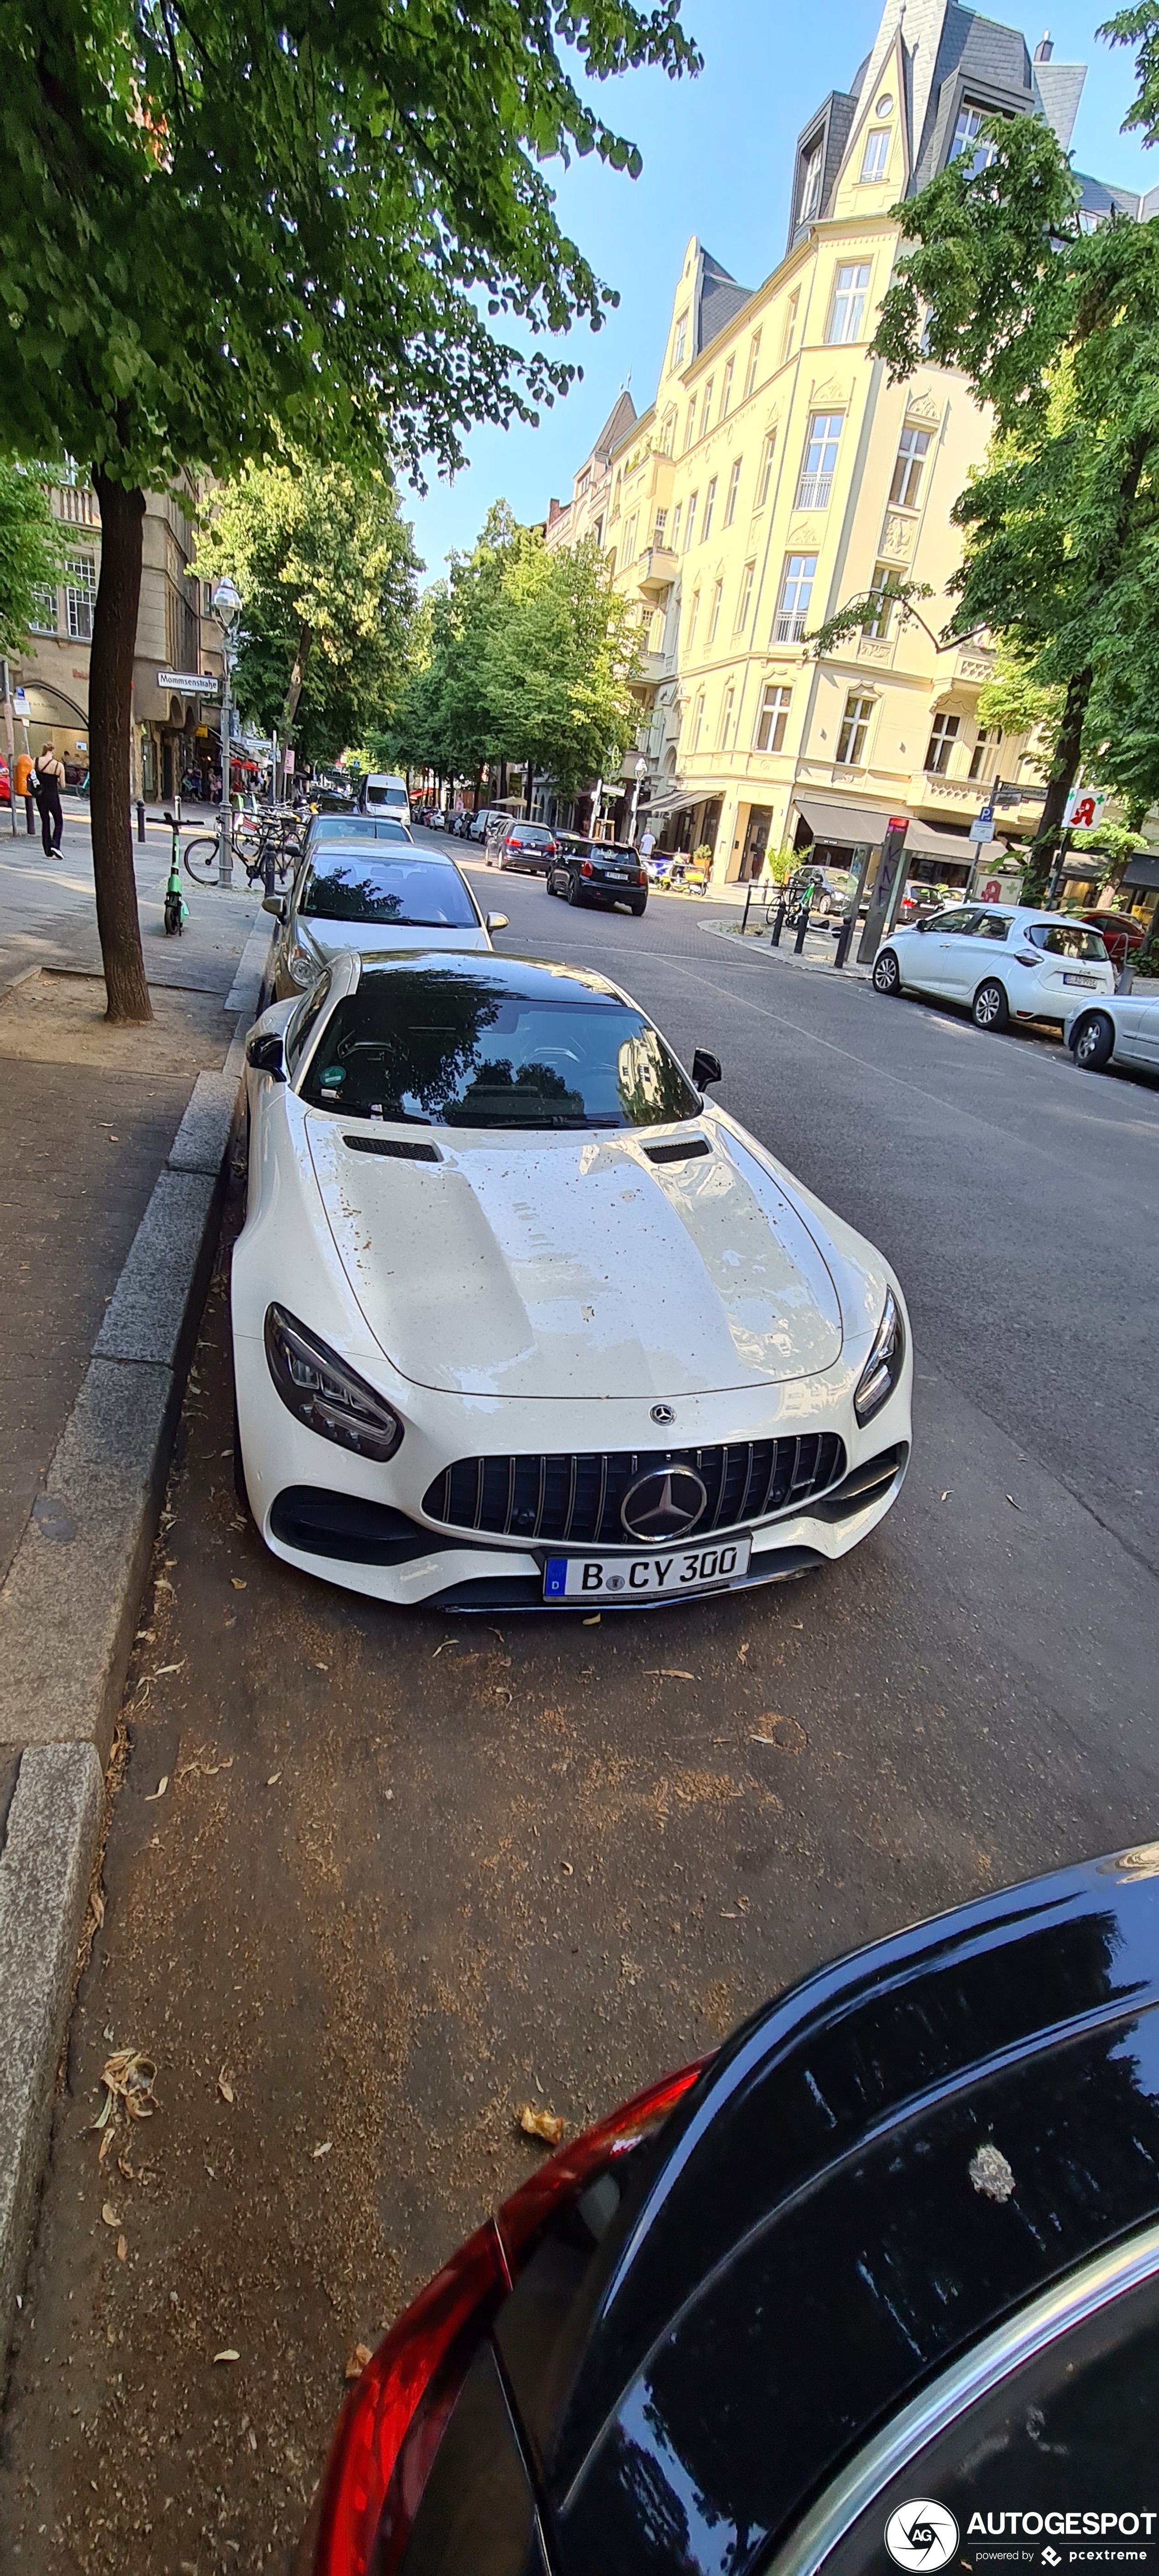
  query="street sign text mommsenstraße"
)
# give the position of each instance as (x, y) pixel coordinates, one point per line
(189, 684)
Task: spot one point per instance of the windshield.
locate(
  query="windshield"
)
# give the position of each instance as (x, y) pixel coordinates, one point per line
(358, 827)
(614, 852)
(445, 1051)
(1068, 939)
(426, 894)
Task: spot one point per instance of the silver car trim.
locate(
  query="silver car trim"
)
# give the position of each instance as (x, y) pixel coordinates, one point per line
(1081, 2294)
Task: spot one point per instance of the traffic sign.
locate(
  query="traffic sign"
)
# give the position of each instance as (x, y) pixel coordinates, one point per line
(20, 705)
(188, 684)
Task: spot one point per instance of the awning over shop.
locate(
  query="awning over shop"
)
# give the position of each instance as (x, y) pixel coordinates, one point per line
(847, 826)
(929, 841)
(1143, 871)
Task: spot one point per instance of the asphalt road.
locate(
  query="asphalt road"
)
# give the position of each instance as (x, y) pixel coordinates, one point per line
(405, 1875)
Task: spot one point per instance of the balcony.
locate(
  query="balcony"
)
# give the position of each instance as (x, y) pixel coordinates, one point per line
(76, 505)
(790, 629)
(656, 570)
(654, 667)
(813, 492)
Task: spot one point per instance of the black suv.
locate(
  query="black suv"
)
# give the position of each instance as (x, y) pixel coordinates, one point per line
(519, 845)
(597, 872)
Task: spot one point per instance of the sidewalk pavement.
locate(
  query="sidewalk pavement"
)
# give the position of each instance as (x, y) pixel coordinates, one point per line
(816, 957)
(112, 1152)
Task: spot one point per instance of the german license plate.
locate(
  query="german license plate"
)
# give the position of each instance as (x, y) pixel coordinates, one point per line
(614, 876)
(1090, 983)
(624, 1578)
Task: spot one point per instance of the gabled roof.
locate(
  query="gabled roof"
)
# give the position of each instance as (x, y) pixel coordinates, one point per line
(616, 426)
(719, 301)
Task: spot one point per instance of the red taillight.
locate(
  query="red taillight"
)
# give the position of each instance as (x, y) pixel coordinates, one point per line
(585, 867)
(641, 877)
(393, 2421)
(511, 843)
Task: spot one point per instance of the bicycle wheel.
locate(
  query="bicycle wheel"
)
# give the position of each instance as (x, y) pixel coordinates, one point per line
(201, 859)
(247, 842)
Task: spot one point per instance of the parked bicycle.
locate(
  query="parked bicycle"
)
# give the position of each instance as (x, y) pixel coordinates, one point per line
(267, 845)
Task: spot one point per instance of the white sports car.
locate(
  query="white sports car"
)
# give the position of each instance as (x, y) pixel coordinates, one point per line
(521, 1320)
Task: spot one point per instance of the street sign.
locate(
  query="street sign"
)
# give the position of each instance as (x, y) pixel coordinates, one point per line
(188, 684)
(982, 827)
(20, 705)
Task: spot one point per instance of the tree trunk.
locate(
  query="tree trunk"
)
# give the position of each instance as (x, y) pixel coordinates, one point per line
(110, 723)
(1063, 772)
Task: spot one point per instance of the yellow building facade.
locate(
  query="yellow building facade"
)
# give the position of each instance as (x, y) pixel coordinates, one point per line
(777, 475)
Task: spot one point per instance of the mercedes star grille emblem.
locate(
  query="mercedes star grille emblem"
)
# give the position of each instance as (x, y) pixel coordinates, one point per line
(665, 1503)
(663, 1413)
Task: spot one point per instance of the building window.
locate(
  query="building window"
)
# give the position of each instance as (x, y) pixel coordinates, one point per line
(658, 527)
(751, 369)
(681, 342)
(726, 388)
(913, 448)
(876, 625)
(796, 593)
(717, 596)
(709, 507)
(852, 738)
(598, 532)
(733, 489)
(728, 703)
(676, 526)
(789, 334)
(582, 482)
(614, 512)
(694, 613)
(690, 522)
(819, 460)
(629, 544)
(969, 143)
(772, 716)
(765, 476)
(43, 618)
(80, 573)
(847, 311)
(989, 737)
(744, 602)
(656, 630)
(697, 720)
(876, 153)
(942, 739)
(810, 196)
(706, 414)
(690, 425)
(668, 434)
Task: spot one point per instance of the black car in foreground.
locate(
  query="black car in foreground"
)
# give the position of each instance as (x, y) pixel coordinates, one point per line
(597, 872)
(875, 2287)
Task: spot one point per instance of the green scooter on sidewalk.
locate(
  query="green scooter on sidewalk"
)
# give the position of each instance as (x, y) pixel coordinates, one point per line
(176, 908)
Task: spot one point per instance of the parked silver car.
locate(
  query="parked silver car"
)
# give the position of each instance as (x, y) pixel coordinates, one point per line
(1123, 1030)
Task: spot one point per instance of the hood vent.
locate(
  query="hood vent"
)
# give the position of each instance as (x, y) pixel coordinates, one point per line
(398, 1148)
(678, 1153)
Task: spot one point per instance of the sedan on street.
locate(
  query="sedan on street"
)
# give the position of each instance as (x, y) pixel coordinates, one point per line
(522, 1321)
(521, 845)
(337, 831)
(1004, 961)
(875, 2286)
(1121, 1031)
(598, 872)
(355, 895)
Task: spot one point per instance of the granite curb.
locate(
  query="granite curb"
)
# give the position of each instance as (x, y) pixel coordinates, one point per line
(69, 1607)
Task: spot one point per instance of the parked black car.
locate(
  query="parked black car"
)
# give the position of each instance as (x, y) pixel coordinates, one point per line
(877, 2286)
(598, 872)
(531, 846)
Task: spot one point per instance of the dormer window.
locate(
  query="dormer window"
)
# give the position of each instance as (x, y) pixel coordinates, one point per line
(810, 197)
(970, 144)
(876, 154)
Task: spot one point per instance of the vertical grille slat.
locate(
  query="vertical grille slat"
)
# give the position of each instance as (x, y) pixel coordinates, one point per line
(576, 1499)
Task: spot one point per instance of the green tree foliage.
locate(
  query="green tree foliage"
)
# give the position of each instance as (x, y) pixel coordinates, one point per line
(225, 227)
(1058, 331)
(524, 654)
(325, 567)
(30, 547)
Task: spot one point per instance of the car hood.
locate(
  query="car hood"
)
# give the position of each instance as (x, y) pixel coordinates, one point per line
(383, 938)
(572, 1265)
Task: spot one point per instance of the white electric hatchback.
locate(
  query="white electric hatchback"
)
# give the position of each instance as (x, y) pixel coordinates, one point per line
(1003, 961)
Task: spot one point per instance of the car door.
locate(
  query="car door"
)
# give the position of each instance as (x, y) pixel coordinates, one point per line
(978, 951)
(929, 956)
(1142, 1037)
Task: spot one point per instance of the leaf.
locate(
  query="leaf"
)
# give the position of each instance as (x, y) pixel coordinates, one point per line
(273, 1780)
(323, 2149)
(110, 2216)
(668, 1673)
(544, 2125)
(229, 2354)
(236, 1579)
(163, 1782)
(122, 2248)
(358, 2361)
(224, 2086)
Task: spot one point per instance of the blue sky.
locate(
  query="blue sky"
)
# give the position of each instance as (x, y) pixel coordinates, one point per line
(717, 161)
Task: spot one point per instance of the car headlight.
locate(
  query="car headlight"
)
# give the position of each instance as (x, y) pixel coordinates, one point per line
(316, 1386)
(884, 1365)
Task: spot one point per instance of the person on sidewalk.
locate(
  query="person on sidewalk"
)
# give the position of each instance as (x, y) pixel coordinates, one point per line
(48, 775)
(23, 786)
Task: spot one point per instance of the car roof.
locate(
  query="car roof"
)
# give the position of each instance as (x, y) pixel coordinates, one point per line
(584, 841)
(340, 828)
(527, 978)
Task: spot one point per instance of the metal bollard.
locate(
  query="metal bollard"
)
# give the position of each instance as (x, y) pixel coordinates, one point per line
(841, 951)
(140, 818)
(799, 941)
(745, 922)
(778, 924)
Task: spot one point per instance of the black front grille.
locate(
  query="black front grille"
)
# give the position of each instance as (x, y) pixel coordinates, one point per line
(398, 1148)
(577, 1499)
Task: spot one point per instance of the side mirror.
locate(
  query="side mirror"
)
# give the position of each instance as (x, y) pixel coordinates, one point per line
(922, 922)
(267, 1055)
(705, 1069)
(498, 921)
(277, 904)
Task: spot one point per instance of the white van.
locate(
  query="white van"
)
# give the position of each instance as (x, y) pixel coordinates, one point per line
(384, 795)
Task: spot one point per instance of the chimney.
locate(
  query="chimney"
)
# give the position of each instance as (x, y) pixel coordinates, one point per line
(553, 509)
(1044, 50)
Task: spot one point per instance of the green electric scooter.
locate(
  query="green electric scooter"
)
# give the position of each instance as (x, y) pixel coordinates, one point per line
(176, 908)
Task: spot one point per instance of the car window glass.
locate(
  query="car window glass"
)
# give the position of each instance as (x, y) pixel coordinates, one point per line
(300, 1027)
(1068, 939)
(451, 1050)
(1065, 2445)
(948, 922)
(991, 925)
(366, 885)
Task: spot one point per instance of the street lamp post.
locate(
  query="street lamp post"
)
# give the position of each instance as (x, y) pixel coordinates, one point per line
(641, 774)
(226, 605)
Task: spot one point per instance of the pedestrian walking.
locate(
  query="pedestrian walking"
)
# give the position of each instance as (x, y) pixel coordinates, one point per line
(48, 779)
(23, 786)
(647, 845)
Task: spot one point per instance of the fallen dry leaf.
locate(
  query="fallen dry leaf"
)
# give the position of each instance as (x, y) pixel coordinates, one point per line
(206, 1770)
(668, 1673)
(122, 2248)
(237, 1583)
(228, 2355)
(273, 1780)
(593, 1623)
(567, 1868)
(167, 1668)
(110, 2216)
(358, 2361)
(545, 2125)
(224, 2086)
(323, 2149)
(128, 2077)
(97, 1902)
(160, 1789)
